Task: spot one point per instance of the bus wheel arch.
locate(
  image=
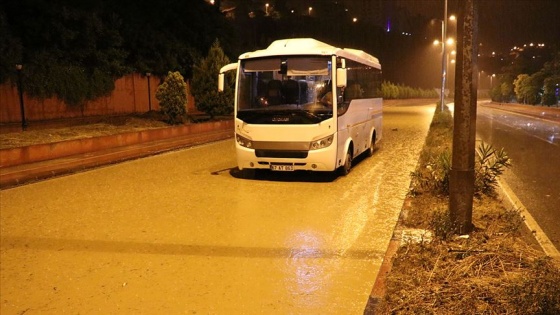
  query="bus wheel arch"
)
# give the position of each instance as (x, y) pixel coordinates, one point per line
(372, 147)
(347, 165)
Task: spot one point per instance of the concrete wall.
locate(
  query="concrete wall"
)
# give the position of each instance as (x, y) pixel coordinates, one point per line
(130, 96)
(49, 151)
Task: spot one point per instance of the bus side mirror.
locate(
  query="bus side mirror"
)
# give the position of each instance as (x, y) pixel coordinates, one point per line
(221, 79)
(341, 79)
(221, 75)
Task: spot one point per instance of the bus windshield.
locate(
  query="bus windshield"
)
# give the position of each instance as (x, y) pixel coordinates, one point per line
(285, 90)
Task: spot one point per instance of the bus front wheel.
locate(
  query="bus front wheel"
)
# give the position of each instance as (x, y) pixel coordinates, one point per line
(345, 169)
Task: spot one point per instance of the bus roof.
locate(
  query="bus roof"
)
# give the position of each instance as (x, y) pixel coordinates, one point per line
(310, 46)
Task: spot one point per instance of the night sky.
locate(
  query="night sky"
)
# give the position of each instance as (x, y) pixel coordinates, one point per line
(502, 25)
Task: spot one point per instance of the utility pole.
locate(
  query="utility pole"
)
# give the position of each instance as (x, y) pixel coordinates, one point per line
(461, 185)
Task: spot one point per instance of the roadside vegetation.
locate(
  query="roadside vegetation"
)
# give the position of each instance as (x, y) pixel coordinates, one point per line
(172, 97)
(523, 83)
(205, 82)
(497, 269)
(391, 90)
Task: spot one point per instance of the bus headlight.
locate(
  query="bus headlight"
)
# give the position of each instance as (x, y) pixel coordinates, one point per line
(321, 143)
(244, 142)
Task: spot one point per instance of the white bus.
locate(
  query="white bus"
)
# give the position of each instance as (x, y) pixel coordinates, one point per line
(286, 117)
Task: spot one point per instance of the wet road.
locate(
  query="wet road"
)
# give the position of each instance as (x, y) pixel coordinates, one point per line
(181, 233)
(533, 144)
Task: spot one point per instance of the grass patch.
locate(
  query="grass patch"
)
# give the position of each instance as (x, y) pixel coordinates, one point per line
(497, 269)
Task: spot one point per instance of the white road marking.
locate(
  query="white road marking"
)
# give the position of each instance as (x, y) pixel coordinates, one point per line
(547, 246)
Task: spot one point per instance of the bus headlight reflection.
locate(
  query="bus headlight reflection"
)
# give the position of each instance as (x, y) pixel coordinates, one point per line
(244, 142)
(321, 143)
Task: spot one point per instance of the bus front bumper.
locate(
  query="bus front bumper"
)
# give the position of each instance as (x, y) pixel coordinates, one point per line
(316, 160)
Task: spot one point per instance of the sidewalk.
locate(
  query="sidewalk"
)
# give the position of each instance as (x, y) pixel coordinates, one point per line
(41, 162)
(538, 111)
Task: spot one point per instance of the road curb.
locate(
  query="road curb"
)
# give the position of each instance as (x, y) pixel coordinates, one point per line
(78, 156)
(509, 197)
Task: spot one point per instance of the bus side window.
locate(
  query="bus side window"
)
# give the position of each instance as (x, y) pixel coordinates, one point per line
(353, 91)
(343, 101)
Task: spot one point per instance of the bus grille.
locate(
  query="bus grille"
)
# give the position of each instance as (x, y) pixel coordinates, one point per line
(281, 154)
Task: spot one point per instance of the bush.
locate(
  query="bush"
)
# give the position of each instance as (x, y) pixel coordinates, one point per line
(393, 91)
(204, 85)
(434, 177)
(549, 99)
(172, 97)
(490, 165)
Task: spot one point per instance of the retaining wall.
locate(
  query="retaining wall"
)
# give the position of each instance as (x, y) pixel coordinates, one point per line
(48, 151)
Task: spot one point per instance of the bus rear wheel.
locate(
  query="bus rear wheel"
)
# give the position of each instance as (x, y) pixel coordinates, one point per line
(371, 148)
(347, 166)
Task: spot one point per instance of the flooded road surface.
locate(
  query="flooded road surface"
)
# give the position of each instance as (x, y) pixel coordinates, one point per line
(183, 233)
(533, 144)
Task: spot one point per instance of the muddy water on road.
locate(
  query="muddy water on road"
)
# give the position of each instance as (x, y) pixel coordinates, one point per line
(181, 233)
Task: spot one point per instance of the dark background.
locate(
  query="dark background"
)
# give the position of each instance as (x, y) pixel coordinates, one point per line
(78, 48)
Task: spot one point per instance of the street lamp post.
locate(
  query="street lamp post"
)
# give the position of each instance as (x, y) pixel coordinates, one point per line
(19, 68)
(443, 55)
(148, 75)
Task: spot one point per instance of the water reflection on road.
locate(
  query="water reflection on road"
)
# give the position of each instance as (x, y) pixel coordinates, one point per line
(533, 144)
(181, 232)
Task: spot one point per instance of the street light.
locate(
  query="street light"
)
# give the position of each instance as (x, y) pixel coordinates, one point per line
(266, 8)
(19, 68)
(443, 52)
(309, 10)
(443, 56)
(148, 75)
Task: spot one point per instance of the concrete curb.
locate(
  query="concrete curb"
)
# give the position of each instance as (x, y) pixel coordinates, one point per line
(50, 151)
(22, 165)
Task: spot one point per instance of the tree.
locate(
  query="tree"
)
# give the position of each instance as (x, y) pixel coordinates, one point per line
(550, 86)
(75, 50)
(506, 90)
(204, 84)
(172, 97)
(520, 87)
(552, 80)
(69, 50)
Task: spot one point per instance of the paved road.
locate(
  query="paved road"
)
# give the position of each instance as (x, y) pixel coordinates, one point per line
(182, 233)
(534, 146)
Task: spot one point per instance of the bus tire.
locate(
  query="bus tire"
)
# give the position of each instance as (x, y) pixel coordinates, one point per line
(347, 166)
(371, 148)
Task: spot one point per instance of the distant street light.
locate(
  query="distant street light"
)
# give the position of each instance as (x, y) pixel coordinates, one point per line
(266, 8)
(309, 10)
(355, 20)
(443, 51)
(19, 68)
(148, 75)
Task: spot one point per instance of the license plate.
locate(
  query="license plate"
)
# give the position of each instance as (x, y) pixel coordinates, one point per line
(285, 168)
